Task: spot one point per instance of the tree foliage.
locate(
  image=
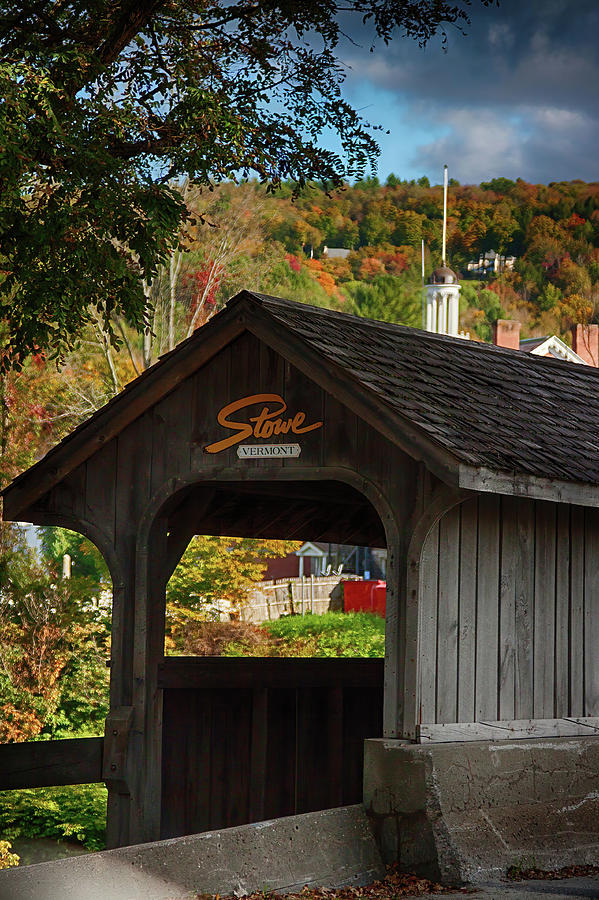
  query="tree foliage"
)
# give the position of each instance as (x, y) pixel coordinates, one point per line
(76, 812)
(107, 106)
(216, 572)
(53, 647)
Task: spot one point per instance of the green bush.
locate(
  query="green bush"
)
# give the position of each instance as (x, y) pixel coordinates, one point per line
(75, 812)
(332, 634)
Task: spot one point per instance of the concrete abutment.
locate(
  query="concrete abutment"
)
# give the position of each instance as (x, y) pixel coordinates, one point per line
(468, 811)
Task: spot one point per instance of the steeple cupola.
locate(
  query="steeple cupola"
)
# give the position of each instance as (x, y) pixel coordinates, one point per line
(443, 290)
(443, 302)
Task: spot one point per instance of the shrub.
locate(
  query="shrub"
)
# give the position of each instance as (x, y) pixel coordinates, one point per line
(7, 859)
(77, 811)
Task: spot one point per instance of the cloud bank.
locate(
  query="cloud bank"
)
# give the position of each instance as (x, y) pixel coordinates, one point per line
(518, 96)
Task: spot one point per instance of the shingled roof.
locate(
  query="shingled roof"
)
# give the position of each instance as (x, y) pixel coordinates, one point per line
(491, 407)
(499, 420)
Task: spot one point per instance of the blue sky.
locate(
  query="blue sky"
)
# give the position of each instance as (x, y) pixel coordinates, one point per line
(518, 96)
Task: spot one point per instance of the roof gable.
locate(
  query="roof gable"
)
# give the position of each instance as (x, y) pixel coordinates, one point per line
(461, 407)
(551, 346)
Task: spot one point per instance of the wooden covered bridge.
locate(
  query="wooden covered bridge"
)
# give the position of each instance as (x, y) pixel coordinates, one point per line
(478, 469)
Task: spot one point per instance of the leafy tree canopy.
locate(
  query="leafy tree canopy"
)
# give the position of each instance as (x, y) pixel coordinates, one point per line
(106, 106)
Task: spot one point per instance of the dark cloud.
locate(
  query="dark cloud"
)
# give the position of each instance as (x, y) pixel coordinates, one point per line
(517, 96)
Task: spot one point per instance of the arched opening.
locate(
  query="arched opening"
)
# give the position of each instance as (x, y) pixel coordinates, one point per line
(246, 739)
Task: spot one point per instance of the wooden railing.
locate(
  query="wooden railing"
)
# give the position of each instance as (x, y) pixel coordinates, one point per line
(243, 740)
(50, 763)
(252, 739)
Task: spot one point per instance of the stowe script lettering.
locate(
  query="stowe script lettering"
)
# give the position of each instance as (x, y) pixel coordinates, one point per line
(268, 423)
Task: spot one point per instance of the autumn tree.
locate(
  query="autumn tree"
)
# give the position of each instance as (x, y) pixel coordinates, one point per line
(107, 105)
(215, 572)
(53, 647)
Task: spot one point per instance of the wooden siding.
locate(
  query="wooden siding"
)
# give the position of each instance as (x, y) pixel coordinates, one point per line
(509, 606)
(250, 739)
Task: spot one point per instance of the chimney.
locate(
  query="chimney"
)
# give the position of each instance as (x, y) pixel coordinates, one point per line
(585, 342)
(506, 333)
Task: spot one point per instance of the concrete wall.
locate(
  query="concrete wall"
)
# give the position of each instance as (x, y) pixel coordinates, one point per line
(333, 848)
(468, 811)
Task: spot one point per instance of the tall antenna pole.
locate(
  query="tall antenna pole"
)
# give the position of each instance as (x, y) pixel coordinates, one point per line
(423, 293)
(444, 213)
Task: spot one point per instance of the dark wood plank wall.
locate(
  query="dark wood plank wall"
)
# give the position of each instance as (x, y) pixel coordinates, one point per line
(250, 739)
(509, 597)
(114, 487)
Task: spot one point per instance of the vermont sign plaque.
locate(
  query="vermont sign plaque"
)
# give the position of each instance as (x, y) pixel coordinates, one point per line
(259, 451)
(268, 423)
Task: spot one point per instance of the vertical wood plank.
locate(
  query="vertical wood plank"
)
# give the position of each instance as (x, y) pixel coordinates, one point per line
(544, 609)
(218, 759)
(211, 391)
(447, 643)
(591, 613)
(562, 612)
(258, 772)
(303, 395)
(171, 433)
(100, 492)
(200, 778)
(429, 586)
(467, 611)
(341, 432)
(271, 370)
(236, 746)
(245, 381)
(487, 614)
(68, 496)
(302, 774)
(507, 608)
(280, 754)
(576, 650)
(362, 717)
(335, 749)
(524, 611)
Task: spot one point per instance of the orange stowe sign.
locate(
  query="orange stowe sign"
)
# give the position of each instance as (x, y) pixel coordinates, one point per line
(267, 424)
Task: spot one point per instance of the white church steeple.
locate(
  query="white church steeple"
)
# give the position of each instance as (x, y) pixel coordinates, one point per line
(443, 302)
(443, 290)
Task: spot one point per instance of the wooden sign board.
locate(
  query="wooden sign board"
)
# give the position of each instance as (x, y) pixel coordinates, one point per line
(270, 421)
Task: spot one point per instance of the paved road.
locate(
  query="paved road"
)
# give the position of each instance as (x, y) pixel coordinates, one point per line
(567, 889)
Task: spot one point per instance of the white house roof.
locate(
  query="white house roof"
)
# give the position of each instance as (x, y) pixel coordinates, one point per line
(551, 346)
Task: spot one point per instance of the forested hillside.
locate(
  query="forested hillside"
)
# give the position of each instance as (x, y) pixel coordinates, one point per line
(244, 237)
(553, 231)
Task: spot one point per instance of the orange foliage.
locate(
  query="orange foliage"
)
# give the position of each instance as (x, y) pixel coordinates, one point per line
(371, 266)
(18, 724)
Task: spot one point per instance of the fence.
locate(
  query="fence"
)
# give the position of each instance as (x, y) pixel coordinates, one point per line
(284, 596)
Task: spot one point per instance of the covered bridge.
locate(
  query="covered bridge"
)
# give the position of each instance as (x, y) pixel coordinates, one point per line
(477, 467)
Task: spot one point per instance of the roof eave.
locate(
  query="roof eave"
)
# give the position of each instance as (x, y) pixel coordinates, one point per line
(534, 487)
(368, 405)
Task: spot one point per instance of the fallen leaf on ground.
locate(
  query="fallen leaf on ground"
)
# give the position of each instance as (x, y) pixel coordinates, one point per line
(395, 884)
(514, 873)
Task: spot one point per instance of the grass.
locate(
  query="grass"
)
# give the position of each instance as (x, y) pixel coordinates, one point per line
(359, 634)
